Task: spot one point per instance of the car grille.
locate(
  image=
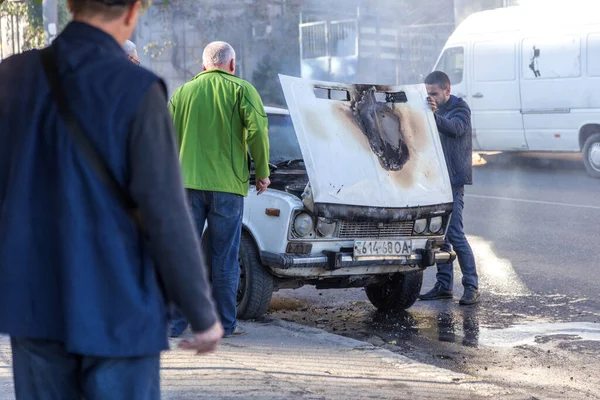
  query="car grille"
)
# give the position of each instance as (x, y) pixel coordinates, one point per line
(374, 230)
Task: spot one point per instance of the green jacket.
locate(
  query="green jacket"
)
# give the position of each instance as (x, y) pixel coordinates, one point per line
(217, 117)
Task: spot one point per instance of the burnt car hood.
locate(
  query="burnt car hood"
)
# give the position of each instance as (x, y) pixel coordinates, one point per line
(368, 146)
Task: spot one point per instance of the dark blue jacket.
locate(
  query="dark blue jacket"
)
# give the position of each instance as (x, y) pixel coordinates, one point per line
(454, 124)
(73, 267)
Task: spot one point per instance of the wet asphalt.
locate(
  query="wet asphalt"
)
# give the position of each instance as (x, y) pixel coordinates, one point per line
(534, 224)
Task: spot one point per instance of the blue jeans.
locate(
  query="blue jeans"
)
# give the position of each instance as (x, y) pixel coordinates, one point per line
(44, 370)
(455, 238)
(224, 212)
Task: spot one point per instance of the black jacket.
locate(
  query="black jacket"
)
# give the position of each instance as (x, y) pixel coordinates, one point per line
(454, 124)
(74, 268)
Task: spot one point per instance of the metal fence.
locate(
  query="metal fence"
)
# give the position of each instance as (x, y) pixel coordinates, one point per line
(363, 50)
(314, 40)
(11, 34)
(344, 38)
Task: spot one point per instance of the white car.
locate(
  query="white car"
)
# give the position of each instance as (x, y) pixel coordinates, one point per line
(360, 196)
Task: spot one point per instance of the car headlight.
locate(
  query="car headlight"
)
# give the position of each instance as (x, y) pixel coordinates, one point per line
(303, 225)
(420, 226)
(435, 226)
(325, 229)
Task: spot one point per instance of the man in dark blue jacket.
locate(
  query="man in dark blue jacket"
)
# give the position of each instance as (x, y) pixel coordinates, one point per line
(453, 118)
(80, 296)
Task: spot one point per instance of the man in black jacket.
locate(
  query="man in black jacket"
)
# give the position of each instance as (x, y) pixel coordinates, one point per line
(453, 118)
(87, 292)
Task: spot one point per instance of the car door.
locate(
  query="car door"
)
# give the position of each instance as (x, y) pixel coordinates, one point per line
(495, 95)
(453, 62)
(553, 90)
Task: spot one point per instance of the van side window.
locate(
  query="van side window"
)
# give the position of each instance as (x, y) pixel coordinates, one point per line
(593, 54)
(494, 61)
(551, 57)
(452, 63)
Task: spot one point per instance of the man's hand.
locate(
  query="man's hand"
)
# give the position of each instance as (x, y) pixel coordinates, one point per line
(262, 185)
(432, 104)
(204, 342)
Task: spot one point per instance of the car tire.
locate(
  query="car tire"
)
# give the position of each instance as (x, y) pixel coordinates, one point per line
(591, 152)
(398, 292)
(256, 285)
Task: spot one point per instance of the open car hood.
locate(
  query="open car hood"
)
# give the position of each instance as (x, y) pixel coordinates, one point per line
(367, 145)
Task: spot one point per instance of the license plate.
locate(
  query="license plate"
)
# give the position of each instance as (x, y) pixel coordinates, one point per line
(382, 248)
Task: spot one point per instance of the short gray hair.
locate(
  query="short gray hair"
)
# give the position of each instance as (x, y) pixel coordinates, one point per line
(130, 48)
(217, 54)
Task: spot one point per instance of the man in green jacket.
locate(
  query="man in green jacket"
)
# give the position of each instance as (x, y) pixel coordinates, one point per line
(218, 117)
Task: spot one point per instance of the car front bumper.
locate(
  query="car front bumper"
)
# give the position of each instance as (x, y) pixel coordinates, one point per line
(423, 258)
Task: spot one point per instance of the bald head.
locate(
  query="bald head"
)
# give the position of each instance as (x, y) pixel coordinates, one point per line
(130, 48)
(219, 55)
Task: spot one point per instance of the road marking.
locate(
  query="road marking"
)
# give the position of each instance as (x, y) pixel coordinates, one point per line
(549, 203)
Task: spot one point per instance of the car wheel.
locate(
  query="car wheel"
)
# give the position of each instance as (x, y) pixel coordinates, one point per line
(398, 292)
(255, 289)
(591, 155)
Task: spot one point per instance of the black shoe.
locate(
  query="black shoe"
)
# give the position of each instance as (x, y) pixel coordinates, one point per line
(437, 294)
(239, 331)
(470, 297)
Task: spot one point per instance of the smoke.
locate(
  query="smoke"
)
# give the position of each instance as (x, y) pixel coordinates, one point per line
(560, 3)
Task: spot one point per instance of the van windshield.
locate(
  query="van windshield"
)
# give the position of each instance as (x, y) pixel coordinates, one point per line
(452, 63)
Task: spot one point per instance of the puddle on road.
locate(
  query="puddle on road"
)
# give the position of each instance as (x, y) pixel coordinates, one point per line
(500, 324)
(519, 335)
(444, 326)
(464, 327)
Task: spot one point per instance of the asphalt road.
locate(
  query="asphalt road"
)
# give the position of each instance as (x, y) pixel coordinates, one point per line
(533, 223)
(542, 219)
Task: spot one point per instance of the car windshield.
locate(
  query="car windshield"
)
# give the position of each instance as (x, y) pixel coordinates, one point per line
(283, 141)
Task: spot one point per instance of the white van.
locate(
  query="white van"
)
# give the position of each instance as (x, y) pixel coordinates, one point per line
(532, 79)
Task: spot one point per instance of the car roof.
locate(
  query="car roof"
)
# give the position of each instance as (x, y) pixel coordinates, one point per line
(276, 110)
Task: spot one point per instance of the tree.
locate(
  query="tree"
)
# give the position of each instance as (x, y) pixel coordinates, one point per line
(265, 79)
(32, 10)
(282, 54)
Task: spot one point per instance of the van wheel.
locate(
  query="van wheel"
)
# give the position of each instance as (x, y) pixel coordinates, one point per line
(398, 292)
(256, 283)
(591, 155)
